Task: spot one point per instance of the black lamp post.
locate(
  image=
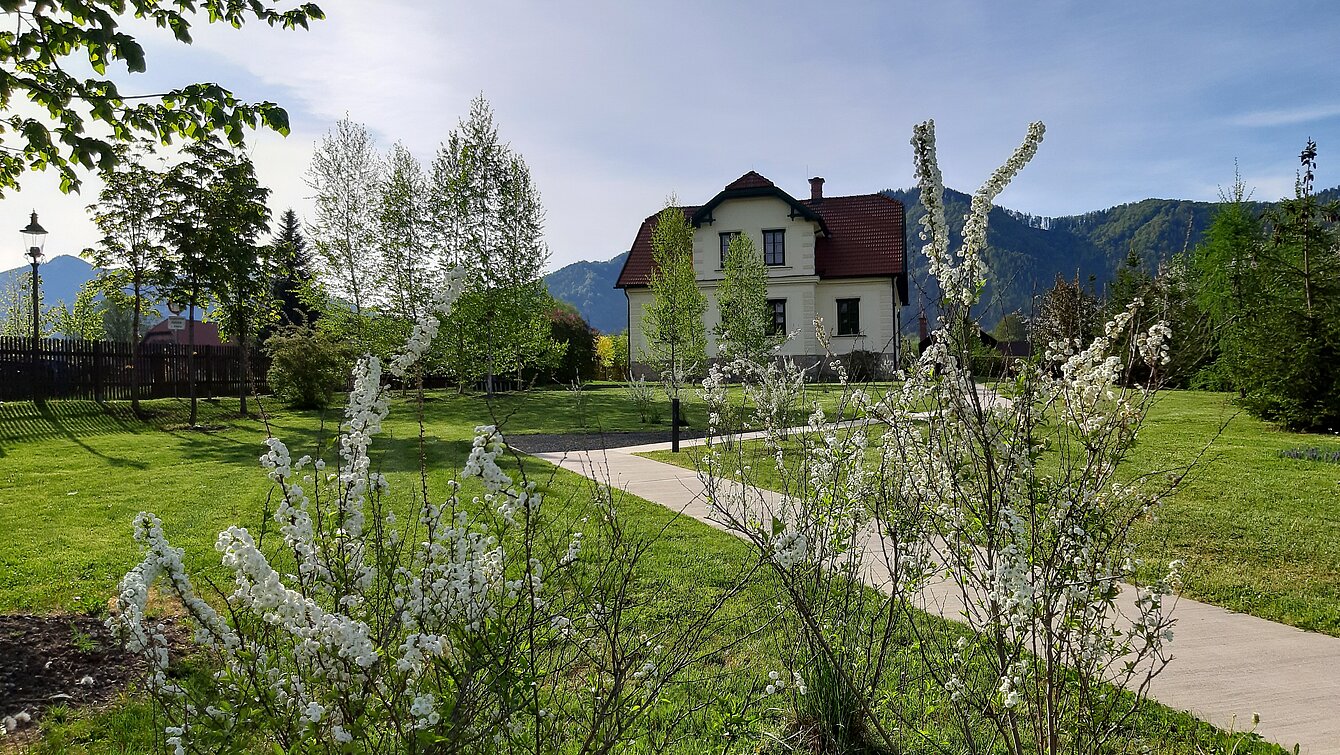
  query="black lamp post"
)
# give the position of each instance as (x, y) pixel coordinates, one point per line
(34, 238)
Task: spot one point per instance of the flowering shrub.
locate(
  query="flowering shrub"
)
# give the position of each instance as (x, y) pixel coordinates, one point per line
(480, 624)
(1002, 508)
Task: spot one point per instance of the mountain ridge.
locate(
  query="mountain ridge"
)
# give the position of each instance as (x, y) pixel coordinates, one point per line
(1024, 252)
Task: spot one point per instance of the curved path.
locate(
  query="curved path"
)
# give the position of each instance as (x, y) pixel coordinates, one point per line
(1226, 666)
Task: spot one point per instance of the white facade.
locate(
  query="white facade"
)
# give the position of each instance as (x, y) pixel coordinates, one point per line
(794, 282)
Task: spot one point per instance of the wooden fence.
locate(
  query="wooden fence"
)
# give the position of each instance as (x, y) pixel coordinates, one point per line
(102, 370)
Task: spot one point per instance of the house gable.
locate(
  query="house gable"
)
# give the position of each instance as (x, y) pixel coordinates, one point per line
(857, 236)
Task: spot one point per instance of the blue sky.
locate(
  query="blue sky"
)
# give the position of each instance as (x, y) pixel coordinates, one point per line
(616, 105)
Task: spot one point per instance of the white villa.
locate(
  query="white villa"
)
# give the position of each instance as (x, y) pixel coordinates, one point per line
(838, 258)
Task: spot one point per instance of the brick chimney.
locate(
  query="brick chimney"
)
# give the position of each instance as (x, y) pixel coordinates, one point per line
(816, 189)
(924, 331)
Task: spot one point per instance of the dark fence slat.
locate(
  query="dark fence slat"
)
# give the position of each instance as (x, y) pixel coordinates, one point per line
(67, 368)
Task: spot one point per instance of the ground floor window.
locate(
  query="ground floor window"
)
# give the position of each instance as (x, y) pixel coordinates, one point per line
(778, 309)
(849, 317)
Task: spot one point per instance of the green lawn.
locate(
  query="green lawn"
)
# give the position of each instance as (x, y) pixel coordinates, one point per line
(73, 474)
(1259, 533)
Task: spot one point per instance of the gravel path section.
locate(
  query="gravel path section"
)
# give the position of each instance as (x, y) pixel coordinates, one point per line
(557, 443)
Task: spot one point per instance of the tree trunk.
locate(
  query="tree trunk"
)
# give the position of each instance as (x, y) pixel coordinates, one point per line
(246, 373)
(135, 352)
(190, 359)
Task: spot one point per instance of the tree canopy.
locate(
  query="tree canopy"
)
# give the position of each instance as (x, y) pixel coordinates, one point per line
(75, 121)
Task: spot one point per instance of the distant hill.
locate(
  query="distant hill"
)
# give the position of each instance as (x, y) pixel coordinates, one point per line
(1026, 252)
(589, 286)
(61, 277)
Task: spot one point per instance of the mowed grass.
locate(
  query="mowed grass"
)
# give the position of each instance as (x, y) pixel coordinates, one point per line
(1259, 533)
(72, 475)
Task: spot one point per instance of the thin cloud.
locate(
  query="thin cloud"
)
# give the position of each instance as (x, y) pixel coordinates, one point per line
(1285, 117)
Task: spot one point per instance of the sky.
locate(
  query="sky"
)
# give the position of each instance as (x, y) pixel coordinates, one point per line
(617, 106)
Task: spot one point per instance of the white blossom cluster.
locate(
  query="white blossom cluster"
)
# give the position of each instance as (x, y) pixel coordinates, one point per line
(961, 274)
(361, 636)
(425, 329)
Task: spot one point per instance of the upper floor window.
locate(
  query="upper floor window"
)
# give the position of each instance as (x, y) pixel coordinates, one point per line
(774, 247)
(849, 317)
(778, 325)
(726, 238)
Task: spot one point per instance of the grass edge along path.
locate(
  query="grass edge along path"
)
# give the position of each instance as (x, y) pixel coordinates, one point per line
(1232, 666)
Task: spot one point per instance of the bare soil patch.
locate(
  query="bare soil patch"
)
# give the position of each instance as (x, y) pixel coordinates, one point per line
(59, 660)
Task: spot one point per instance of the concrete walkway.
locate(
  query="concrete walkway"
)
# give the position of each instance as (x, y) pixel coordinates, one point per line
(1226, 666)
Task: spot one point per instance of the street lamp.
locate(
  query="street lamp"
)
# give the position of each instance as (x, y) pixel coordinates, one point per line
(34, 238)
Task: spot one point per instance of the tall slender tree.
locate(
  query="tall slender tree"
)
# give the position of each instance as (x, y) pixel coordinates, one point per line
(346, 174)
(213, 218)
(488, 220)
(742, 299)
(406, 272)
(130, 251)
(1287, 358)
(292, 288)
(676, 336)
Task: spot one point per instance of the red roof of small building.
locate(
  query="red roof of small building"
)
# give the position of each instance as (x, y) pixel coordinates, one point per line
(865, 234)
(206, 334)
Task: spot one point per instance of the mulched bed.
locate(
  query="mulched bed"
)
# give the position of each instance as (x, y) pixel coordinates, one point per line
(43, 659)
(542, 444)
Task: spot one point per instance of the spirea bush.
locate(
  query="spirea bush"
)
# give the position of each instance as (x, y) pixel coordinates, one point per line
(307, 367)
(1000, 508)
(487, 622)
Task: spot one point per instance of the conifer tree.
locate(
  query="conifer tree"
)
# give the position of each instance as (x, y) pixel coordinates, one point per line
(292, 287)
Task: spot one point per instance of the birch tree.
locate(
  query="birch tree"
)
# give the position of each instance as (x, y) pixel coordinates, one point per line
(487, 219)
(346, 174)
(405, 280)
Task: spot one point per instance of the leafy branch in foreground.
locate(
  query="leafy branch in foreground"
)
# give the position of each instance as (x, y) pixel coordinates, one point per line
(42, 37)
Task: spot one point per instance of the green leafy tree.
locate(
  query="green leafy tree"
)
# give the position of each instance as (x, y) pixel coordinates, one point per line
(16, 307)
(77, 120)
(406, 276)
(346, 176)
(213, 215)
(130, 252)
(1011, 328)
(488, 220)
(742, 299)
(82, 318)
(119, 321)
(676, 337)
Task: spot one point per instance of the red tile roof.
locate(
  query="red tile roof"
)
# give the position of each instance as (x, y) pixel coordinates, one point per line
(637, 268)
(865, 236)
(750, 180)
(206, 334)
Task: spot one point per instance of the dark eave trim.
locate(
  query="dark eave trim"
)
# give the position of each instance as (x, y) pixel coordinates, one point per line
(798, 210)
